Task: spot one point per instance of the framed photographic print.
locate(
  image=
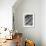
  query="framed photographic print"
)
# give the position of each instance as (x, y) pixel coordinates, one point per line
(28, 20)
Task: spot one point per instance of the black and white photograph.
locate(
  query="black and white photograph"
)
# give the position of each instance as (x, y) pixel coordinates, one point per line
(28, 20)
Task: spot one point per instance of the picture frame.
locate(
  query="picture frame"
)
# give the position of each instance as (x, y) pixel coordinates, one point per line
(28, 20)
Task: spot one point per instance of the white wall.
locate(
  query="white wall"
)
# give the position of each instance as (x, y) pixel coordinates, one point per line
(6, 13)
(29, 6)
(43, 22)
(38, 7)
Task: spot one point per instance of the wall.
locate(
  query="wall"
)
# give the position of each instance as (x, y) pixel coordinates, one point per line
(6, 13)
(43, 22)
(29, 6)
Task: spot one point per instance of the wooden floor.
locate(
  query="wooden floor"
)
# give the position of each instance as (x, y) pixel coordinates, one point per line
(9, 43)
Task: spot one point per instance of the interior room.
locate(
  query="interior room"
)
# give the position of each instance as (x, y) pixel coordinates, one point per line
(22, 22)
